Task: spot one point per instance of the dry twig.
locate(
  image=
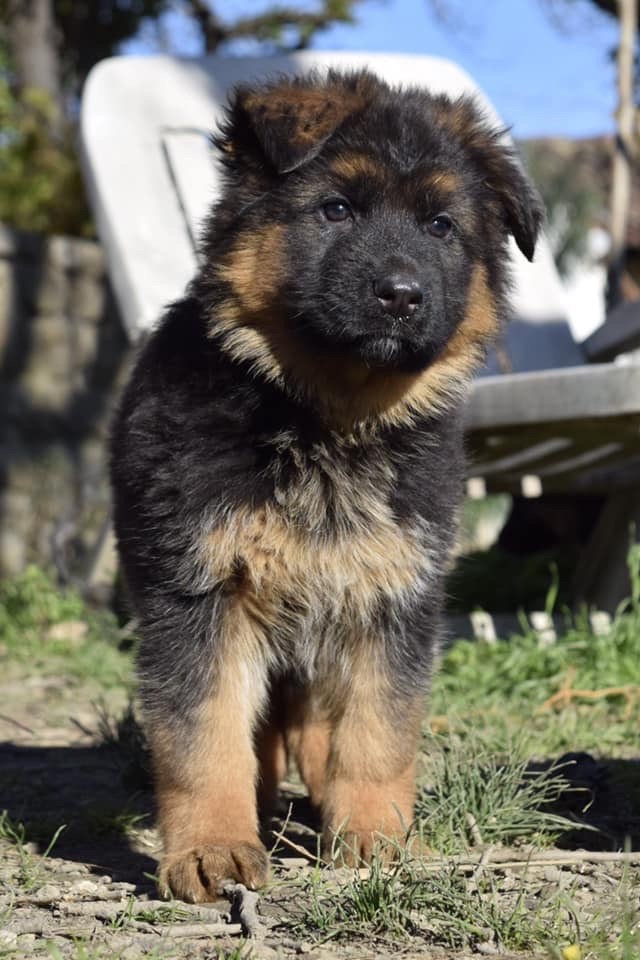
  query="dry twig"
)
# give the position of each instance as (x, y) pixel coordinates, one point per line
(311, 857)
(246, 903)
(474, 829)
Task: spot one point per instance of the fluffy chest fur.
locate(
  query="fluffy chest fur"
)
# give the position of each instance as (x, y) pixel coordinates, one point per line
(323, 545)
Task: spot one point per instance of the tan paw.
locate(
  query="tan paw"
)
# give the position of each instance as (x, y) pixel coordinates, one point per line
(357, 848)
(199, 874)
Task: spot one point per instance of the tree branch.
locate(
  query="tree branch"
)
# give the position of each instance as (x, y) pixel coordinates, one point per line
(270, 25)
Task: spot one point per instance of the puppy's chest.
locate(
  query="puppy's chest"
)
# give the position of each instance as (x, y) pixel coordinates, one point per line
(326, 543)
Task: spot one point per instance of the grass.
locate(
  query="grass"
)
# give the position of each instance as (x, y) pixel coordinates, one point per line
(480, 784)
(440, 907)
(499, 687)
(625, 945)
(45, 626)
(31, 867)
(134, 911)
(473, 795)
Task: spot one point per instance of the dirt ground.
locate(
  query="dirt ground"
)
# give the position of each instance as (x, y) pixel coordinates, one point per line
(94, 895)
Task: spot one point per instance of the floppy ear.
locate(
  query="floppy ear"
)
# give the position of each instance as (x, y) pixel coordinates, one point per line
(521, 202)
(503, 174)
(291, 120)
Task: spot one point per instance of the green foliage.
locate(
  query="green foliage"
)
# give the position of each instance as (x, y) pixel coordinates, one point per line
(572, 201)
(512, 678)
(471, 790)
(41, 187)
(437, 906)
(43, 624)
(31, 864)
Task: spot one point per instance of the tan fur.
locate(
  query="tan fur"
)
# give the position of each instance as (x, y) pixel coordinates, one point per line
(460, 119)
(207, 794)
(444, 181)
(352, 166)
(370, 786)
(349, 392)
(306, 117)
(271, 751)
(308, 735)
(254, 268)
(266, 558)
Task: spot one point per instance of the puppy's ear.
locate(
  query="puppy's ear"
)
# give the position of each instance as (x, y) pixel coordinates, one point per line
(502, 172)
(521, 202)
(290, 121)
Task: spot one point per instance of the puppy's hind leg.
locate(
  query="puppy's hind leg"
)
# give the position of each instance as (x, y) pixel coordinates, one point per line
(204, 760)
(307, 736)
(272, 756)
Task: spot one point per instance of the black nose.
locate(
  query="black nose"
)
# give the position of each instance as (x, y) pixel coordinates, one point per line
(398, 293)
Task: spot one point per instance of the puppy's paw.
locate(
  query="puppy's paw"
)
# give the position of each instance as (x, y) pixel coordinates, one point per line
(357, 845)
(199, 874)
(357, 848)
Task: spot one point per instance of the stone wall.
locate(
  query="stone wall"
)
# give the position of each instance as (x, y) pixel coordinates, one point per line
(63, 355)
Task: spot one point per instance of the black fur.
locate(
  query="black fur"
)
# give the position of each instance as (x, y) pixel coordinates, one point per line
(206, 429)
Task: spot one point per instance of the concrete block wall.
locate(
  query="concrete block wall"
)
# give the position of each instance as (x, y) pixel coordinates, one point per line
(63, 356)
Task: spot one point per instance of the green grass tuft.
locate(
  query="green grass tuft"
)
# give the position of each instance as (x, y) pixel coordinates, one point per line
(44, 625)
(437, 907)
(31, 864)
(473, 795)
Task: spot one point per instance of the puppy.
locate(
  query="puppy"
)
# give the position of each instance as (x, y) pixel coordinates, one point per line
(287, 460)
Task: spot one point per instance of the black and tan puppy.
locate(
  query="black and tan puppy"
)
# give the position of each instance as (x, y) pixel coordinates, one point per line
(287, 459)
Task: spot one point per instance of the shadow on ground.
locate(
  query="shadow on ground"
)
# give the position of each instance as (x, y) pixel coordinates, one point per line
(605, 796)
(86, 789)
(99, 792)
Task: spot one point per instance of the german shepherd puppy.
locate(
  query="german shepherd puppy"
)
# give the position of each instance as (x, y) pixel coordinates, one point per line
(287, 460)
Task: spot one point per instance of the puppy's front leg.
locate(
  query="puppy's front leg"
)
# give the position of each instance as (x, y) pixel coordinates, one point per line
(205, 770)
(370, 789)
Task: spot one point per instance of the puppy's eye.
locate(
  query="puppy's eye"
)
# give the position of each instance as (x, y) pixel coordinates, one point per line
(441, 226)
(337, 211)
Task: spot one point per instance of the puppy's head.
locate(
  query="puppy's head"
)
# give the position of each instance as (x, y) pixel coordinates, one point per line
(363, 231)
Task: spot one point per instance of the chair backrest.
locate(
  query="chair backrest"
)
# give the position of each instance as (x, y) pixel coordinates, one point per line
(144, 128)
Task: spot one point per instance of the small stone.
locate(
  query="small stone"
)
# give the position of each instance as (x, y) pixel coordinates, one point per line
(48, 893)
(75, 868)
(27, 938)
(487, 949)
(86, 889)
(73, 632)
(130, 953)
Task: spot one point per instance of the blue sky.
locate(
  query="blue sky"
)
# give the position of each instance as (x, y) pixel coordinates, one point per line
(546, 74)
